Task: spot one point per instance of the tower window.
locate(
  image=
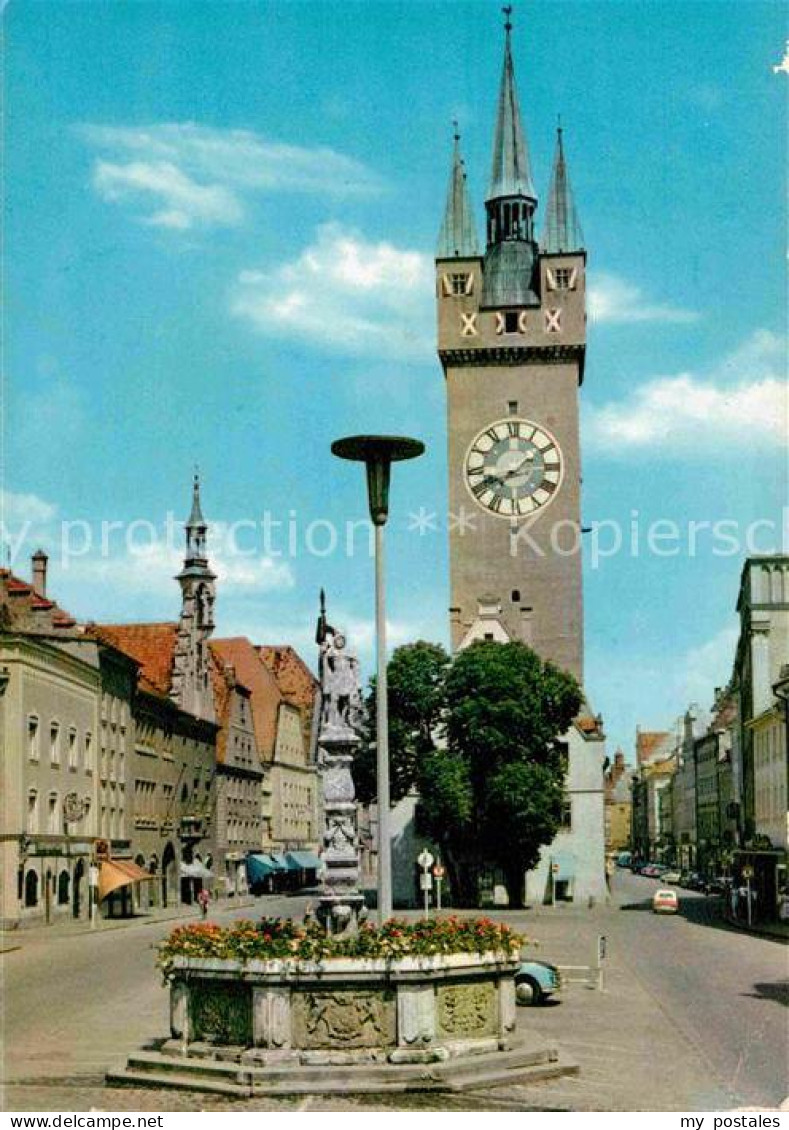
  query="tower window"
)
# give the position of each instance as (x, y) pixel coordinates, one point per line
(488, 635)
(459, 283)
(564, 278)
(512, 407)
(510, 321)
(516, 595)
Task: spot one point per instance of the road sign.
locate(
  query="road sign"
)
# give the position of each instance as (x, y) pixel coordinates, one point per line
(425, 881)
(747, 872)
(425, 859)
(438, 871)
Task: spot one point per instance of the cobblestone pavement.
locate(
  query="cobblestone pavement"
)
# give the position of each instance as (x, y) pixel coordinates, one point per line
(693, 1017)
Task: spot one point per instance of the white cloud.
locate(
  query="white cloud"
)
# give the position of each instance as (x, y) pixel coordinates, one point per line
(16, 509)
(346, 294)
(147, 566)
(614, 300)
(196, 175)
(706, 666)
(183, 201)
(745, 393)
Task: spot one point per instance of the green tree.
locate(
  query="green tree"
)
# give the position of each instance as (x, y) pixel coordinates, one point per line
(416, 675)
(505, 710)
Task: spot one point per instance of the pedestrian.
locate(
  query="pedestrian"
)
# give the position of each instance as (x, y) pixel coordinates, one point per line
(203, 898)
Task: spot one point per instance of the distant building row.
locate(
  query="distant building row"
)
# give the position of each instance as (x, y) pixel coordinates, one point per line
(153, 746)
(712, 797)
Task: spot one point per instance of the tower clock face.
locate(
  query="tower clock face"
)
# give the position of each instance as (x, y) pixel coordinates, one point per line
(514, 468)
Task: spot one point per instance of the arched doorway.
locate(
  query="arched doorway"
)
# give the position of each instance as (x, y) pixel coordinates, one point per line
(31, 888)
(169, 873)
(76, 889)
(64, 883)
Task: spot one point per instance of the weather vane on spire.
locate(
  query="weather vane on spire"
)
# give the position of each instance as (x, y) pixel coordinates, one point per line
(507, 10)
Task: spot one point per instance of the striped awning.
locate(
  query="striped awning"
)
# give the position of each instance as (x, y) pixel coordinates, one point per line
(119, 873)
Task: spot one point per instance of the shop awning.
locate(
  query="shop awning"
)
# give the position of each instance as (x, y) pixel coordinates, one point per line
(304, 860)
(563, 866)
(260, 867)
(119, 873)
(196, 870)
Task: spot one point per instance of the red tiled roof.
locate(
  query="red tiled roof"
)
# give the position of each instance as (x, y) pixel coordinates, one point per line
(26, 599)
(294, 679)
(152, 645)
(266, 696)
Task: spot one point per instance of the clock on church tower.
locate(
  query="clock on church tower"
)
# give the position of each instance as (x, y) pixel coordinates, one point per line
(511, 339)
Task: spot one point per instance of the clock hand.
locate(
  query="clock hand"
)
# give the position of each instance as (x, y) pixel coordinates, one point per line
(517, 470)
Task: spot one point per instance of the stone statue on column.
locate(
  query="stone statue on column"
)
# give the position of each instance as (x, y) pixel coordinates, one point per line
(341, 903)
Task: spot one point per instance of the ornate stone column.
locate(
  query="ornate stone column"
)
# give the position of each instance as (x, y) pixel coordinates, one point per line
(341, 904)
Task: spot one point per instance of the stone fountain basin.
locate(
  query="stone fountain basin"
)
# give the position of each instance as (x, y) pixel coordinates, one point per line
(342, 1010)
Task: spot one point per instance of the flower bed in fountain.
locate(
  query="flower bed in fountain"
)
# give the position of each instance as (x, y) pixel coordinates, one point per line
(280, 991)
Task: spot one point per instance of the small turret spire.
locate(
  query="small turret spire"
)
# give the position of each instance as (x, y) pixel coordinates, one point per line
(562, 231)
(196, 519)
(458, 235)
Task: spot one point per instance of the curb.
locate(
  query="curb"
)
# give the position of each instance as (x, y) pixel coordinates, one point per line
(108, 926)
(756, 931)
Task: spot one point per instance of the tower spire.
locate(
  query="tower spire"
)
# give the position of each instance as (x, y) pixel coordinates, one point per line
(510, 173)
(458, 235)
(509, 275)
(562, 231)
(190, 682)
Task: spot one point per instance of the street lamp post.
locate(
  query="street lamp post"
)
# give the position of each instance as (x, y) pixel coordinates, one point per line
(378, 453)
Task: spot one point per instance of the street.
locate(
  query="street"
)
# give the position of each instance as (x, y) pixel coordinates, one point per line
(693, 1016)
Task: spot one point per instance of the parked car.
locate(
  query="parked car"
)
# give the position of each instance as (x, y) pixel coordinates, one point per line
(665, 902)
(651, 870)
(718, 885)
(671, 877)
(535, 981)
(694, 882)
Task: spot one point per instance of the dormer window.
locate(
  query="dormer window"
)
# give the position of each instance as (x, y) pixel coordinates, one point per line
(458, 284)
(562, 278)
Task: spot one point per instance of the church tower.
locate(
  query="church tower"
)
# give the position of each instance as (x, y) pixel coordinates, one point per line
(191, 680)
(511, 340)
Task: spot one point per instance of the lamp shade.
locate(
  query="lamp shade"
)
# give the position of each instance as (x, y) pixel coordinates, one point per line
(378, 453)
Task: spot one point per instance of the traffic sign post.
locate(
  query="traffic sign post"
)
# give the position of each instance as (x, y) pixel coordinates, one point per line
(438, 875)
(93, 882)
(602, 953)
(426, 861)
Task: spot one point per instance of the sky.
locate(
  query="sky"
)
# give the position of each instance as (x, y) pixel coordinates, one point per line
(220, 223)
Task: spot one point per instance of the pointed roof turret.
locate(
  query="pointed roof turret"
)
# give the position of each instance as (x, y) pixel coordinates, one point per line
(196, 520)
(562, 231)
(196, 529)
(458, 235)
(510, 172)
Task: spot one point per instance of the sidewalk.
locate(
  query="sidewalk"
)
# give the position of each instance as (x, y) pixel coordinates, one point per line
(777, 930)
(11, 940)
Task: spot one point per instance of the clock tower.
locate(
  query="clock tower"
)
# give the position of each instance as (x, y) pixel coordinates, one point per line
(511, 339)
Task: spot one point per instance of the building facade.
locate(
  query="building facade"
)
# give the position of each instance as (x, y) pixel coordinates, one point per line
(760, 749)
(49, 722)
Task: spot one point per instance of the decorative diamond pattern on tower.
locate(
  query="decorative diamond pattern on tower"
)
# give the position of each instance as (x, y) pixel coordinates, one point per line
(458, 235)
(562, 232)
